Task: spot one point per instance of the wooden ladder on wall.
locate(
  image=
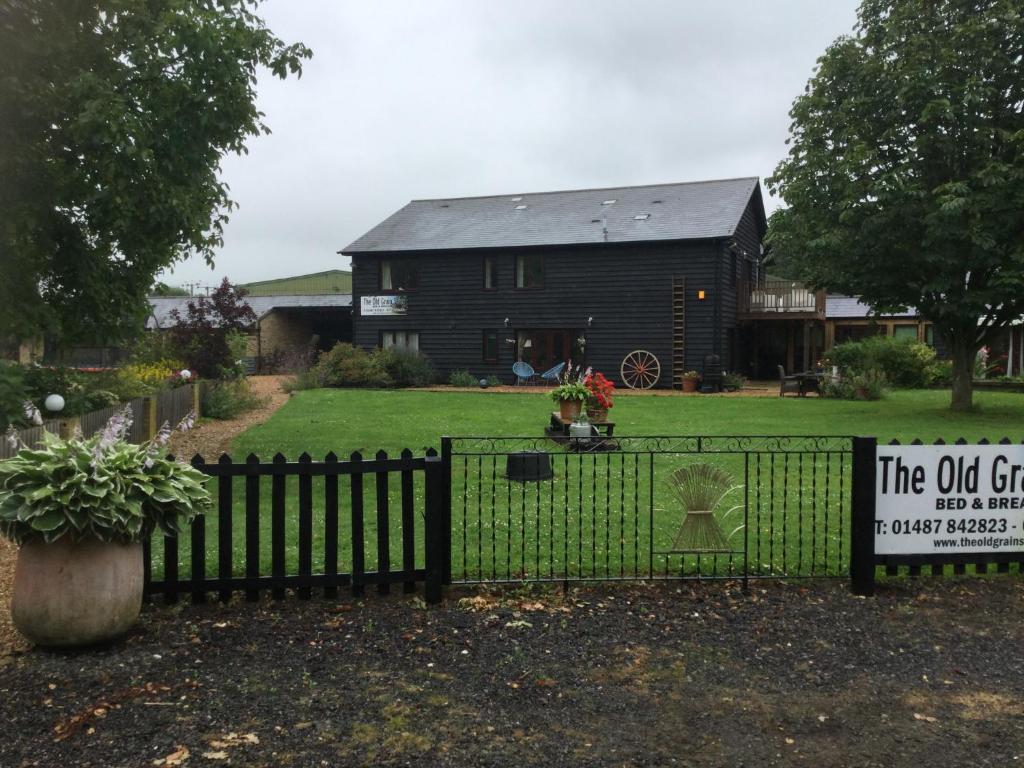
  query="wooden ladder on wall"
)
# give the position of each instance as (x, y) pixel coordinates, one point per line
(678, 330)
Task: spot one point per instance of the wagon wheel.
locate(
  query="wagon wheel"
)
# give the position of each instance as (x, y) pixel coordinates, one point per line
(640, 370)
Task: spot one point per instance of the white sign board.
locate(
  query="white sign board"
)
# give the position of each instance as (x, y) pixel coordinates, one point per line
(383, 305)
(935, 499)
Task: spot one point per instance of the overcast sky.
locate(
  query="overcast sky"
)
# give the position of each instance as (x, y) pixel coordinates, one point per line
(452, 98)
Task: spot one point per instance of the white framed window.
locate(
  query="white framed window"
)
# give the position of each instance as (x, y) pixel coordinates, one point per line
(408, 341)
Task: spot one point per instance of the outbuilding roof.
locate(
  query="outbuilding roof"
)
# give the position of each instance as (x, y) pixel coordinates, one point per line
(162, 306)
(681, 211)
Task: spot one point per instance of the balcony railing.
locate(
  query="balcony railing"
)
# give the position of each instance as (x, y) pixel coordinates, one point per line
(780, 297)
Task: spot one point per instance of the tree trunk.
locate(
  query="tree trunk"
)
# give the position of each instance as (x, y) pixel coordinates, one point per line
(963, 354)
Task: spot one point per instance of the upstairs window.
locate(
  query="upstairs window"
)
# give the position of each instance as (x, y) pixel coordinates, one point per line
(399, 275)
(490, 274)
(407, 341)
(529, 272)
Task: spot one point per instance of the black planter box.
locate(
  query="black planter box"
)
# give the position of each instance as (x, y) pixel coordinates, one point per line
(528, 466)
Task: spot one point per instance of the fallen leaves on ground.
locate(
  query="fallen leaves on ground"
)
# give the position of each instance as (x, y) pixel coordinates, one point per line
(177, 757)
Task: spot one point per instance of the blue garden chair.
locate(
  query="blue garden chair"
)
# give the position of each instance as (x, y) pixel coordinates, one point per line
(523, 371)
(551, 375)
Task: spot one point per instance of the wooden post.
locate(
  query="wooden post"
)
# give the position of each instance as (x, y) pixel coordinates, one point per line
(435, 556)
(149, 417)
(862, 525)
(66, 427)
(196, 398)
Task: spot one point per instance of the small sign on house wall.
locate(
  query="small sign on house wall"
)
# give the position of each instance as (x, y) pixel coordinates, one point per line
(945, 499)
(370, 306)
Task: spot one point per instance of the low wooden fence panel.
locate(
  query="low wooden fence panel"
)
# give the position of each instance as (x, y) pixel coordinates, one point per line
(307, 525)
(30, 436)
(173, 405)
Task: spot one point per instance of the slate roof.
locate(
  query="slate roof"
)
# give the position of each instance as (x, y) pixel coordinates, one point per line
(161, 306)
(684, 211)
(851, 308)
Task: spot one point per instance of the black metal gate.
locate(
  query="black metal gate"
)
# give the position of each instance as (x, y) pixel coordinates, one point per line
(529, 510)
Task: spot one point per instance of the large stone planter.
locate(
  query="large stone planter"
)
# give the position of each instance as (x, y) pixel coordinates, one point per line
(76, 593)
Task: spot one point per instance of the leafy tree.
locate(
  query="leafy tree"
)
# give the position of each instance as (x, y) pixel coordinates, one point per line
(116, 114)
(203, 336)
(905, 176)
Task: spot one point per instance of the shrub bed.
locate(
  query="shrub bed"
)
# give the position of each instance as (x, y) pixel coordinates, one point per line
(346, 365)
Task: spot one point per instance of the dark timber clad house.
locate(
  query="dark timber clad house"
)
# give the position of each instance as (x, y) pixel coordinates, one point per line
(478, 283)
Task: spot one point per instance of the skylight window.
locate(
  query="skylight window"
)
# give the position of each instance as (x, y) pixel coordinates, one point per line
(607, 202)
(642, 216)
(520, 207)
(516, 199)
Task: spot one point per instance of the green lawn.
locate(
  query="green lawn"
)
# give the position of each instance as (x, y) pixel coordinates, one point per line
(608, 515)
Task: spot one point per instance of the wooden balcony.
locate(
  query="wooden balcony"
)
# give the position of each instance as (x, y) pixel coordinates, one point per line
(780, 300)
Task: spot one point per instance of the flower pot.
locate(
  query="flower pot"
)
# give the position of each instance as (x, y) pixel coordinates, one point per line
(597, 414)
(689, 385)
(569, 409)
(76, 593)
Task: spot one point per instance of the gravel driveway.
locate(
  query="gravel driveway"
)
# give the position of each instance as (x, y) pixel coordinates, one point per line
(927, 673)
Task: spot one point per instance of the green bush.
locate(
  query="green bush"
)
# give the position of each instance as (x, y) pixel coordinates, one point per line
(462, 379)
(406, 369)
(733, 382)
(13, 393)
(346, 365)
(301, 381)
(868, 385)
(152, 347)
(82, 391)
(903, 362)
(228, 399)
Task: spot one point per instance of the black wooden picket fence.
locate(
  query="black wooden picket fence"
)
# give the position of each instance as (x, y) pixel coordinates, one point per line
(241, 569)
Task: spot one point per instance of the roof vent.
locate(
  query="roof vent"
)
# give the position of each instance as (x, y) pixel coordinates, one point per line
(607, 202)
(595, 221)
(642, 216)
(516, 199)
(656, 202)
(445, 205)
(520, 207)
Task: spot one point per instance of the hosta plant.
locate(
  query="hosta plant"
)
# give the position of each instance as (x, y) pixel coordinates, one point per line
(571, 385)
(100, 487)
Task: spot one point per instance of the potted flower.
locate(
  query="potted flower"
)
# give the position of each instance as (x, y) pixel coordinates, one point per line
(599, 399)
(80, 509)
(570, 394)
(690, 381)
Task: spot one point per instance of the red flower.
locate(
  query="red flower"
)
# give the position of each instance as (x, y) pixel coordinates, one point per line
(601, 390)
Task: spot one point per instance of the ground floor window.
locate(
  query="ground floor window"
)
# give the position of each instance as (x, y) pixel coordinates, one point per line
(490, 346)
(905, 332)
(408, 341)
